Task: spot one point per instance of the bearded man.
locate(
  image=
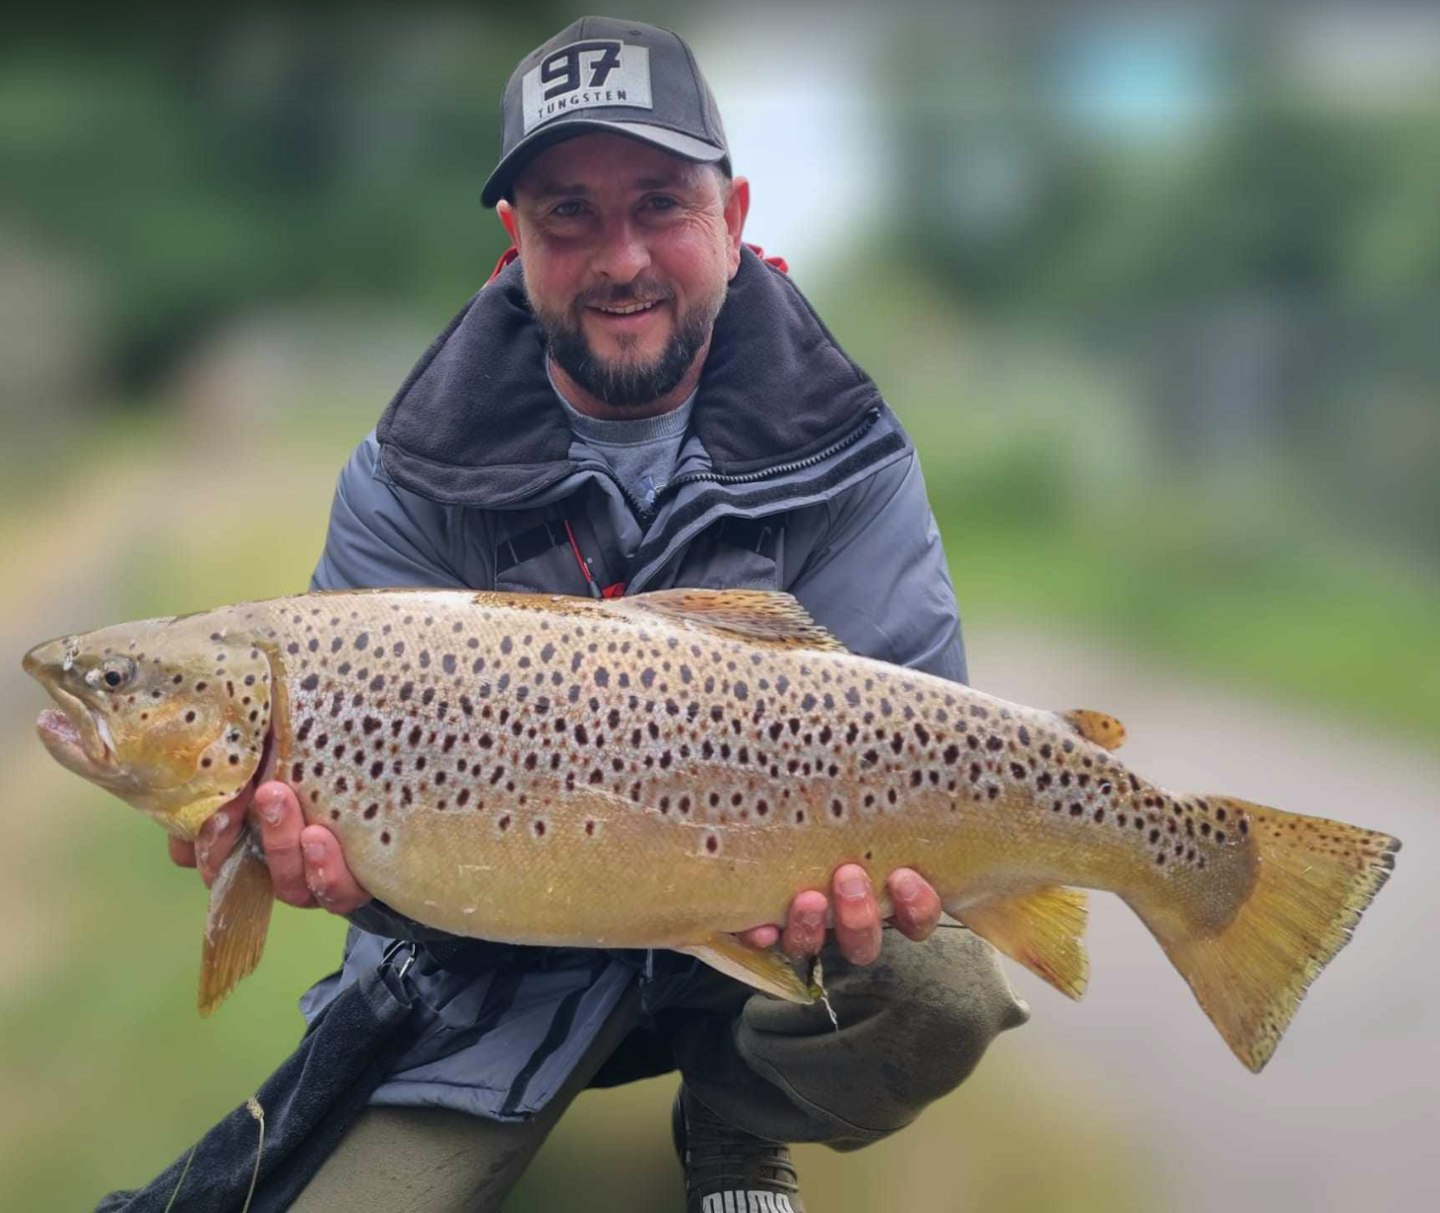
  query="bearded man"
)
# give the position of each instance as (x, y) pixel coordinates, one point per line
(637, 400)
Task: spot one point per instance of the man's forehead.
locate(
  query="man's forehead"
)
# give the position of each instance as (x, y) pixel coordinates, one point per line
(591, 162)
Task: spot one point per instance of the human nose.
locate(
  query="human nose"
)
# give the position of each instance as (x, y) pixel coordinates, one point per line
(622, 253)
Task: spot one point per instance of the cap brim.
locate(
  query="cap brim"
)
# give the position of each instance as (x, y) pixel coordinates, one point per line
(687, 147)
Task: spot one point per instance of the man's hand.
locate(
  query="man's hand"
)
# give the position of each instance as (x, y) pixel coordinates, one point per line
(305, 863)
(916, 912)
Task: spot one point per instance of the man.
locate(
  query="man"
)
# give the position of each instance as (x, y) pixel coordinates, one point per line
(640, 402)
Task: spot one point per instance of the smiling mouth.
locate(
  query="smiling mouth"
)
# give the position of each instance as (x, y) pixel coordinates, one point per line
(626, 309)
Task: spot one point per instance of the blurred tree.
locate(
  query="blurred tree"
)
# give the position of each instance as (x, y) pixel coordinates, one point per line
(200, 161)
(1267, 257)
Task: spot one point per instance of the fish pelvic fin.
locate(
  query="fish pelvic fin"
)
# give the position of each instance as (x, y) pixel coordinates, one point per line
(1041, 930)
(768, 971)
(239, 918)
(1313, 879)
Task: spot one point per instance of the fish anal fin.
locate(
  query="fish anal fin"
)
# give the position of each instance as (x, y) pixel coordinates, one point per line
(1041, 930)
(762, 617)
(1098, 727)
(768, 971)
(239, 918)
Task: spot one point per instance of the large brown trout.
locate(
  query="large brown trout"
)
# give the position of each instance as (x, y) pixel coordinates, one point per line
(489, 761)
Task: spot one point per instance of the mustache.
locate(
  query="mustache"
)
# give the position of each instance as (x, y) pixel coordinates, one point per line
(640, 291)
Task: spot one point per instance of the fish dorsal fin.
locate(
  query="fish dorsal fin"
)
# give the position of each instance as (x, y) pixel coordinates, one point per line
(764, 617)
(1041, 930)
(1098, 727)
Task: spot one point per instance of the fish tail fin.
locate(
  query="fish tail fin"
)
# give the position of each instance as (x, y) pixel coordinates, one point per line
(1313, 878)
(239, 918)
(1041, 929)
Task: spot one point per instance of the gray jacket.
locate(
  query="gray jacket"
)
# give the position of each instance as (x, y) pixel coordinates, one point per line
(795, 476)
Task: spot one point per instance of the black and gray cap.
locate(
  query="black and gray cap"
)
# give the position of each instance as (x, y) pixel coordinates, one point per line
(602, 74)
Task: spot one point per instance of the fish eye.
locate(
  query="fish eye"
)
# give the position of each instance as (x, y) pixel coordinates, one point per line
(112, 673)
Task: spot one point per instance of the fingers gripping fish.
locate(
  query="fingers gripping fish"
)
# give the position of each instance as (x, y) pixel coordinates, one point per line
(488, 760)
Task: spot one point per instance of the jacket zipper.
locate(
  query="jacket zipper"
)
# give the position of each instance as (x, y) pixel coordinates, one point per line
(782, 469)
(645, 516)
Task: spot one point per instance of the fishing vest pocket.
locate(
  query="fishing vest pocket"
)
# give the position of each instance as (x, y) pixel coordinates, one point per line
(555, 556)
(735, 554)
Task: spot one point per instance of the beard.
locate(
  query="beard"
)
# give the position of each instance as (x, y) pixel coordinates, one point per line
(626, 383)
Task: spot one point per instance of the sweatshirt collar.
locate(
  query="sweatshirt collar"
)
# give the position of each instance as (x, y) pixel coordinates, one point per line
(478, 423)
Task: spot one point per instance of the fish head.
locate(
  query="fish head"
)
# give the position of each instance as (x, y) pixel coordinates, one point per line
(170, 715)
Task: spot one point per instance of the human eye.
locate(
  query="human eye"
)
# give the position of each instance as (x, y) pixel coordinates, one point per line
(568, 209)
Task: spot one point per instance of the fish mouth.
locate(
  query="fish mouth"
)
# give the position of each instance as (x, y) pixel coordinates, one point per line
(77, 737)
(74, 732)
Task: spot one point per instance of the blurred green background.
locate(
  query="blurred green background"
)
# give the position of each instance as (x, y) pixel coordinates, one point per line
(1156, 288)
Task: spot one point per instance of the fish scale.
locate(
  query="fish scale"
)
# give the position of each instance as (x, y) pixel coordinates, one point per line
(670, 769)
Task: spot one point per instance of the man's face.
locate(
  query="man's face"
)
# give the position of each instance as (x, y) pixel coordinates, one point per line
(627, 253)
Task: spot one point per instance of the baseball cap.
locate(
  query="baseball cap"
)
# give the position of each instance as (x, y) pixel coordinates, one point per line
(604, 74)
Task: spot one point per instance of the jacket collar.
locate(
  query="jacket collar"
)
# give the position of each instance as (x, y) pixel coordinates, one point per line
(477, 422)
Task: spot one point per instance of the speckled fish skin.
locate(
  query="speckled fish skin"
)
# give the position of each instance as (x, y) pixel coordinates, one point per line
(659, 771)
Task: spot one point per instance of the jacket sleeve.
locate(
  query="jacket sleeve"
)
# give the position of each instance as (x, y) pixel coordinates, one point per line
(382, 535)
(877, 577)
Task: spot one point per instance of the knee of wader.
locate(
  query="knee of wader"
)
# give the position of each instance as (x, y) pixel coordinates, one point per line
(912, 1027)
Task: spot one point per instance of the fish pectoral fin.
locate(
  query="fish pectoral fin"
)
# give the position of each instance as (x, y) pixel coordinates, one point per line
(1099, 727)
(763, 617)
(1041, 930)
(240, 904)
(768, 970)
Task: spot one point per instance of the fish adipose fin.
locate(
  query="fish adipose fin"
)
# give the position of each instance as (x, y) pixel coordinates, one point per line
(240, 904)
(767, 970)
(1041, 930)
(1098, 727)
(1313, 880)
(762, 617)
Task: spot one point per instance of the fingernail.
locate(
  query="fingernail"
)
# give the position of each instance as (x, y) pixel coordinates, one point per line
(269, 807)
(319, 885)
(905, 886)
(811, 919)
(853, 887)
(314, 852)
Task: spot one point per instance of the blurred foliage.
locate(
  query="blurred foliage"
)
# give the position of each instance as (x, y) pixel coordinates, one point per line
(1058, 505)
(1265, 257)
(206, 161)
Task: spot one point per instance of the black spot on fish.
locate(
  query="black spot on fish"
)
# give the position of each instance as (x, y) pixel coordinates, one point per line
(310, 682)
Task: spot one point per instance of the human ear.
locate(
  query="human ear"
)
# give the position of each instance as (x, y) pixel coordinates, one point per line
(737, 206)
(510, 220)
